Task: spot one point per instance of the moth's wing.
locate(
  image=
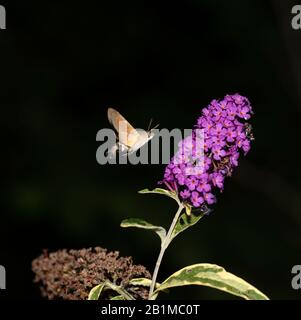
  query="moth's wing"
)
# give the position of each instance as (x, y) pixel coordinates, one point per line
(126, 133)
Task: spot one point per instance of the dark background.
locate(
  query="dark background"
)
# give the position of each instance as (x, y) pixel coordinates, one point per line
(63, 64)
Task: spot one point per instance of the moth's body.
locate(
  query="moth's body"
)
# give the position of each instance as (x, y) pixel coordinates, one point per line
(129, 138)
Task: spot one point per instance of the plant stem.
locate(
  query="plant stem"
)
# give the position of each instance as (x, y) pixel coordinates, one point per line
(164, 246)
(120, 290)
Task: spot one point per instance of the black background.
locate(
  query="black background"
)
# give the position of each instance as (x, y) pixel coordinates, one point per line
(62, 64)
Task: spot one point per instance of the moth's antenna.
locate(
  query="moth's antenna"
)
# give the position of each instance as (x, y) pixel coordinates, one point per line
(150, 123)
(156, 126)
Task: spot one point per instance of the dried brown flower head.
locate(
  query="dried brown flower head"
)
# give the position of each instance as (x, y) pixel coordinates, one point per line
(71, 274)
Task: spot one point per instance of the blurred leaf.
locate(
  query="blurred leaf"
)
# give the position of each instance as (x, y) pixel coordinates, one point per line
(213, 276)
(96, 291)
(145, 283)
(118, 298)
(138, 223)
(142, 282)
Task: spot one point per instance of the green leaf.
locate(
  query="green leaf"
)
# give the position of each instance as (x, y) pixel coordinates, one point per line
(164, 192)
(213, 276)
(96, 291)
(142, 282)
(138, 223)
(118, 298)
(185, 221)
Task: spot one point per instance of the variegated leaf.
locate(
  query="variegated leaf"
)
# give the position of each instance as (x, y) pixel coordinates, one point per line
(214, 276)
(138, 223)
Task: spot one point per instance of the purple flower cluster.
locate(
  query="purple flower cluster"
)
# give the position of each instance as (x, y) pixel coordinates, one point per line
(225, 134)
